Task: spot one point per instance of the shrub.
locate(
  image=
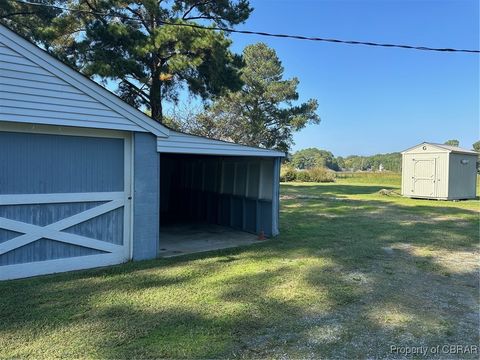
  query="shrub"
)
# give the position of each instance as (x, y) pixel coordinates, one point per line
(287, 173)
(303, 176)
(321, 175)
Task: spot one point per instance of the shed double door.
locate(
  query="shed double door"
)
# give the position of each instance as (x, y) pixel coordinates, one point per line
(64, 200)
(424, 177)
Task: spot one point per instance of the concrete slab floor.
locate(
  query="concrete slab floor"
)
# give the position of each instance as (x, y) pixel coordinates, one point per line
(181, 239)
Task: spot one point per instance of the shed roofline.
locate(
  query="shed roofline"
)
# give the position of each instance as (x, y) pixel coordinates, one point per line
(182, 143)
(443, 148)
(80, 81)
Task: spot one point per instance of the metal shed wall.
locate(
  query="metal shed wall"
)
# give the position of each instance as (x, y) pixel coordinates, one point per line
(239, 192)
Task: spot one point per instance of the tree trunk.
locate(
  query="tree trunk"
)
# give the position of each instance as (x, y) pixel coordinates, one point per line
(156, 98)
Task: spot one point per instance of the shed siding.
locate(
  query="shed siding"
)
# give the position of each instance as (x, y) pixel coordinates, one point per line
(29, 93)
(442, 176)
(462, 177)
(146, 199)
(60, 164)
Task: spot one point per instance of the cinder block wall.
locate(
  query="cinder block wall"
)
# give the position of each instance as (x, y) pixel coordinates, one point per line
(146, 197)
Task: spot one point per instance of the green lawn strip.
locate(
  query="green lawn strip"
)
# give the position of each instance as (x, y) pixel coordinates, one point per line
(352, 273)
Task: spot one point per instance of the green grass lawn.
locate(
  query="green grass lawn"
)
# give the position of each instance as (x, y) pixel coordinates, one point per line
(352, 273)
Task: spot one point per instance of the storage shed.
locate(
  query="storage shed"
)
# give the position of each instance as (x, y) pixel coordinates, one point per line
(437, 171)
(87, 180)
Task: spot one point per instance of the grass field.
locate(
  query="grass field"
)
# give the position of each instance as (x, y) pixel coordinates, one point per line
(352, 273)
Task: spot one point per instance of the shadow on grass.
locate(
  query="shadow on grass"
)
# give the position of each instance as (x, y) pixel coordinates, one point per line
(325, 288)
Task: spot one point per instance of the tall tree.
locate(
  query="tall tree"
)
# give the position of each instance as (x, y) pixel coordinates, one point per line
(452, 142)
(263, 113)
(139, 44)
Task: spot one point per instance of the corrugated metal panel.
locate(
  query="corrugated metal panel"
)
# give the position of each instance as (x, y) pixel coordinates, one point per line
(60, 164)
(462, 176)
(193, 193)
(189, 144)
(240, 179)
(266, 183)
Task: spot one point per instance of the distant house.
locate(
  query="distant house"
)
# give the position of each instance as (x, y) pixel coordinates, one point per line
(87, 180)
(437, 171)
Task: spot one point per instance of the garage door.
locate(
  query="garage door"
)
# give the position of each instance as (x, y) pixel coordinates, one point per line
(64, 201)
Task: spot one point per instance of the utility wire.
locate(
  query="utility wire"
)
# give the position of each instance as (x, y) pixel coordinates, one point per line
(261, 33)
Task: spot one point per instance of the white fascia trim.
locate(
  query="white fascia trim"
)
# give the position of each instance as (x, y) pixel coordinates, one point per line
(441, 149)
(81, 82)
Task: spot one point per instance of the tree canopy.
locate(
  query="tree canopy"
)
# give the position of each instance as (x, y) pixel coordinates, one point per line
(476, 146)
(131, 44)
(452, 142)
(312, 158)
(264, 111)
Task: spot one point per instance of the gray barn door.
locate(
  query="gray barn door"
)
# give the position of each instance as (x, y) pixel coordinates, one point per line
(424, 176)
(63, 202)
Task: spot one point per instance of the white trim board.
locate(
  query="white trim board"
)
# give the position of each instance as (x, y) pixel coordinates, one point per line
(79, 81)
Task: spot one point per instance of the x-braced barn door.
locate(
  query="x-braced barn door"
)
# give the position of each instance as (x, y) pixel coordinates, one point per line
(64, 201)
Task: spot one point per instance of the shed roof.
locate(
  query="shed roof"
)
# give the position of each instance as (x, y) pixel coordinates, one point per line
(178, 142)
(445, 148)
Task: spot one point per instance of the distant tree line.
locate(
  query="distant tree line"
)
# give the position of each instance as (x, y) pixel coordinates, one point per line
(318, 158)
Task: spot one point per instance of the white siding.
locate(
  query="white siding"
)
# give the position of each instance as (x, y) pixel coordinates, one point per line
(29, 93)
(188, 144)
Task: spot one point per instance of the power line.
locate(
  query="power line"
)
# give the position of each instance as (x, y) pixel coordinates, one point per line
(267, 34)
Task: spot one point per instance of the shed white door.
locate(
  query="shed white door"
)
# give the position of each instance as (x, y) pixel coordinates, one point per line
(424, 177)
(64, 201)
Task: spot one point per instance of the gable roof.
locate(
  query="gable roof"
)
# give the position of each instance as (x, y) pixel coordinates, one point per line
(35, 87)
(66, 77)
(443, 147)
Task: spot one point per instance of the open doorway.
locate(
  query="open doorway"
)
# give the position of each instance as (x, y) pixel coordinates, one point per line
(211, 202)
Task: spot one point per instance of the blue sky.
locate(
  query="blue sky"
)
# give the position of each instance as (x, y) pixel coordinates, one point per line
(377, 100)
